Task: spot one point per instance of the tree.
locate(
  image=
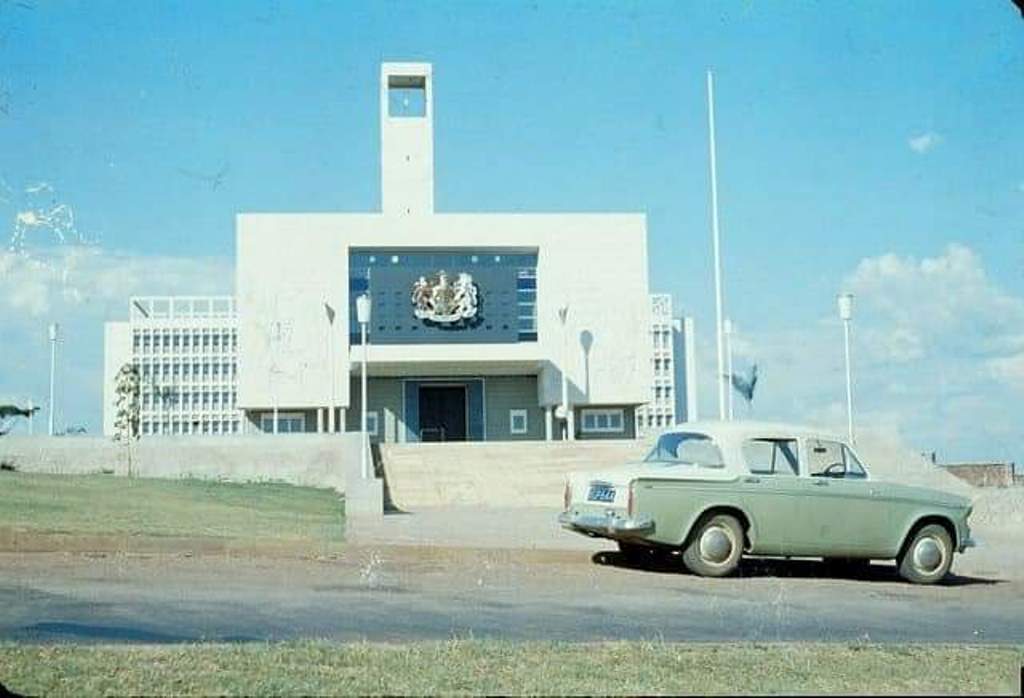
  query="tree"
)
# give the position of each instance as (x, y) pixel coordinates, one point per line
(127, 387)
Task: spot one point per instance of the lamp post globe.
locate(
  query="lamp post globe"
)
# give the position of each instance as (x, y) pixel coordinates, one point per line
(845, 303)
(363, 306)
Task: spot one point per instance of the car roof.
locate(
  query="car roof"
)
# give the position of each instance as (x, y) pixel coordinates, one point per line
(750, 429)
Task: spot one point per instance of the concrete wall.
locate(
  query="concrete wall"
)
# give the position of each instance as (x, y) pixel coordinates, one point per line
(299, 459)
(385, 400)
(502, 394)
(982, 474)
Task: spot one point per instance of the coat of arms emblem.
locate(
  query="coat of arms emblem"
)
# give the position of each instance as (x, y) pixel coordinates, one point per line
(438, 299)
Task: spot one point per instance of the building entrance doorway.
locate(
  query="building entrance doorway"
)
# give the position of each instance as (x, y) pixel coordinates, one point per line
(442, 412)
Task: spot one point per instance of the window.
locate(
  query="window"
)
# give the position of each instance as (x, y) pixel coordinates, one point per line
(854, 469)
(685, 448)
(833, 459)
(287, 422)
(518, 423)
(407, 96)
(372, 423)
(771, 456)
(602, 421)
(526, 303)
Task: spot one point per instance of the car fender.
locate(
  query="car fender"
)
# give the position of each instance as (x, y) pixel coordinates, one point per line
(748, 522)
(914, 518)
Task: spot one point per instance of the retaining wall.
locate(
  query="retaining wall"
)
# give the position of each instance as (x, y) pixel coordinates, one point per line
(316, 460)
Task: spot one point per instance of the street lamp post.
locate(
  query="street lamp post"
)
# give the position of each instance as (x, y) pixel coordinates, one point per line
(274, 370)
(570, 421)
(330, 357)
(363, 316)
(845, 302)
(53, 370)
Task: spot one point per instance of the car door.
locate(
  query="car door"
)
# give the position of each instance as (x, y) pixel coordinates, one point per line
(771, 494)
(840, 506)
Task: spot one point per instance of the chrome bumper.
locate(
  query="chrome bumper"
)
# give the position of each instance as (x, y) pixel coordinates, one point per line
(966, 543)
(609, 525)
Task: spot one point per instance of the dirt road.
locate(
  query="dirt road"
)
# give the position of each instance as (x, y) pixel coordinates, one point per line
(390, 592)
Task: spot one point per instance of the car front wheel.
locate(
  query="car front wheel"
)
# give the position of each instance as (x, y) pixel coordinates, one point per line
(928, 556)
(715, 547)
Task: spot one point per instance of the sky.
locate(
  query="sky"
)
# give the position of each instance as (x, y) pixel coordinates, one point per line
(868, 147)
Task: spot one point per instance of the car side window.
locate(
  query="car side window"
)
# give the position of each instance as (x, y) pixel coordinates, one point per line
(771, 456)
(833, 459)
(853, 467)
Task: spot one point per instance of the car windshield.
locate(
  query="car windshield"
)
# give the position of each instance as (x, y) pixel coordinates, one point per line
(685, 448)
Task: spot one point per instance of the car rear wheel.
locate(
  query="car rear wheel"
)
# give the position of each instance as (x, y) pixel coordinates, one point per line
(715, 548)
(927, 556)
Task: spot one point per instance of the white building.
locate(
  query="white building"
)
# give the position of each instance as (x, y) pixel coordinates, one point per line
(186, 352)
(435, 374)
(673, 393)
(466, 340)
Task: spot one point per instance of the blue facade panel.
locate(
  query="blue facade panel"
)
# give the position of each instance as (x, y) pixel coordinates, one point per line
(506, 296)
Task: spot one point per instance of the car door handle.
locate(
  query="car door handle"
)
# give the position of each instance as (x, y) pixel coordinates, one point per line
(751, 479)
(821, 483)
(875, 493)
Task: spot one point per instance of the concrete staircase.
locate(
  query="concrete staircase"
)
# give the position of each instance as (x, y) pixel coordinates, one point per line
(492, 474)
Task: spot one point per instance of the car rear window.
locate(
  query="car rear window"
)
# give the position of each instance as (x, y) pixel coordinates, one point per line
(685, 448)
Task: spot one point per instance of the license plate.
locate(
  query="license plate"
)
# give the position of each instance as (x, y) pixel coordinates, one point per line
(601, 493)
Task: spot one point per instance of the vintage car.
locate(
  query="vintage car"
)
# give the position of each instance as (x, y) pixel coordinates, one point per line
(714, 491)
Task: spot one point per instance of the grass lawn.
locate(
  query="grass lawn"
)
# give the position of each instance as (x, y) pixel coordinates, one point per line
(102, 510)
(476, 667)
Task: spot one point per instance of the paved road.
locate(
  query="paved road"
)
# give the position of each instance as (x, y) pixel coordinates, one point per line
(390, 593)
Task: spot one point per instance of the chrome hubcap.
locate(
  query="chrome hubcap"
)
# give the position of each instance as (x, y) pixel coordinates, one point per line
(929, 555)
(716, 545)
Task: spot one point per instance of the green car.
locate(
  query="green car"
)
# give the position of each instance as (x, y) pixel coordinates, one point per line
(718, 490)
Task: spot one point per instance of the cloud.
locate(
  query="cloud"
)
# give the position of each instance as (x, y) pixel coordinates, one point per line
(91, 280)
(81, 287)
(944, 304)
(924, 142)
(937, 352)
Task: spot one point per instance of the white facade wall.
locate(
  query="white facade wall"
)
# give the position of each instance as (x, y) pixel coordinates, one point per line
(407, 144)
(659, 410)
(291, 265)
(186, 351)
(672, 393)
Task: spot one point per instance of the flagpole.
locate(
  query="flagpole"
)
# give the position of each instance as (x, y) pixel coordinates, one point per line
(728, 364)
(717, 251)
